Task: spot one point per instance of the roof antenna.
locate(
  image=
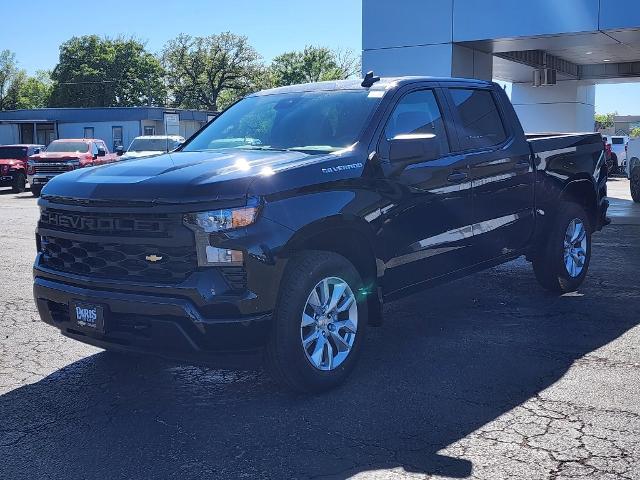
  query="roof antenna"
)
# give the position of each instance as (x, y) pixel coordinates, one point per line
(369, 80)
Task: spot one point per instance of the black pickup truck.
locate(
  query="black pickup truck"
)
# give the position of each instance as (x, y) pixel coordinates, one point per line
(279, 229)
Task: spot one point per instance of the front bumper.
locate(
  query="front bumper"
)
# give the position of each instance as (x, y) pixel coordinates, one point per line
(163, 325)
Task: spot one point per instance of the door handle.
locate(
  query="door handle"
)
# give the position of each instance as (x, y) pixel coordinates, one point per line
(457, 177)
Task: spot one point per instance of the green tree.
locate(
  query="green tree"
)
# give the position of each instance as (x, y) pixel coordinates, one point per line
(11, 78)
(202, 71)
(635, 132)
(34, 92)
(605, 120)
(313, 64)
(104, 72)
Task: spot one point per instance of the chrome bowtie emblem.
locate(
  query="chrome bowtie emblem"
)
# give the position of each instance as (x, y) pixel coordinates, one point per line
(153, 258)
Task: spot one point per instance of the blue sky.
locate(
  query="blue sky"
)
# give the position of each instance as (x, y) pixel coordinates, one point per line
(273, 27)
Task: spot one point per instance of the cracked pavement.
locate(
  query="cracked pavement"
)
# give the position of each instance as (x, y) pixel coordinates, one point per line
(488, 377)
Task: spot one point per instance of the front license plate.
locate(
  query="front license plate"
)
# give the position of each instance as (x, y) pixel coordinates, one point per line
(40, 179)
(88, 316)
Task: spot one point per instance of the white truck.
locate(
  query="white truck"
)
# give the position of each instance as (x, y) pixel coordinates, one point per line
(619, 152)
(149, 145)
(633, 168)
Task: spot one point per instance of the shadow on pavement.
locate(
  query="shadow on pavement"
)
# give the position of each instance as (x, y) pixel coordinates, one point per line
(446, 362)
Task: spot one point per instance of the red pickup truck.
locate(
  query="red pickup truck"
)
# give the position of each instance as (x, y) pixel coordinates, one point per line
(13, 165)
(63, 156)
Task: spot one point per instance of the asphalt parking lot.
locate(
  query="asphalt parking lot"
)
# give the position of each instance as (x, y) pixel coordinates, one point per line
(488, 377)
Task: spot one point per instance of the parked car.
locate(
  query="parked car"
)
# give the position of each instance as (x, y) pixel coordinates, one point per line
(348, 194)
(13, 165)
(63, 156)
(619, 152)
(633, 168)
(148, 145)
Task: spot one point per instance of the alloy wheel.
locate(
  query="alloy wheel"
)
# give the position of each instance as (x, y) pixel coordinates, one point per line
(329, 323)
(575, 247)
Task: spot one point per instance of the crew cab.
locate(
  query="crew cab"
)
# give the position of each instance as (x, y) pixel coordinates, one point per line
(149, 145)
(284, 247)
(13, 165)
(63, 156)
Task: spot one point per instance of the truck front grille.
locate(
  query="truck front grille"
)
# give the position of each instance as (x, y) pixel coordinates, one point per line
(118, 261)
(52, 168)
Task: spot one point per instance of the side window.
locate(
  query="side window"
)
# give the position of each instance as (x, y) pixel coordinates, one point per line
(94, 148)
(480, 122)
(418, 113)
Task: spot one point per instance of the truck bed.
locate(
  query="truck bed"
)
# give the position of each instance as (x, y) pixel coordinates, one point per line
(547, 142)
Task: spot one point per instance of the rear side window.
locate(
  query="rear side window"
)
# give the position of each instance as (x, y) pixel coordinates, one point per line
(418, 114)
(480, 122)
(618, 141)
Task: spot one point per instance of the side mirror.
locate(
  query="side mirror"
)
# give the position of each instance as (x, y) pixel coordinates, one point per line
(119, 150)
(36, 151)
(101, 152)
(414, 148)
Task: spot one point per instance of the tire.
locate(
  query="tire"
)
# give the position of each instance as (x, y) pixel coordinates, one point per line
(19, 183)
(549, 264)
(610, 166)
(614, 165)
(634, 184)
(36, 190)
(289, 363)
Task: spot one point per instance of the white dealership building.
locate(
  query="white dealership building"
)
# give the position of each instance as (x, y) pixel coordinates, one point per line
(554, 52)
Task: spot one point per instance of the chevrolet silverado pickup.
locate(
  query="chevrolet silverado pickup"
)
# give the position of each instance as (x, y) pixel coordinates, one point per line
(13, 165)
(278, 231)
(63, 156)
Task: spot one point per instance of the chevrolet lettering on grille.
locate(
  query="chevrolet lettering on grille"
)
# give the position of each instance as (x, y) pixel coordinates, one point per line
(99, 224)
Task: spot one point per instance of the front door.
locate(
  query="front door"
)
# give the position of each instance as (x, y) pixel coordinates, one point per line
(427, 230)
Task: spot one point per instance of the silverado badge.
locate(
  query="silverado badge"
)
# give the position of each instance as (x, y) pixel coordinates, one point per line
(153, 258)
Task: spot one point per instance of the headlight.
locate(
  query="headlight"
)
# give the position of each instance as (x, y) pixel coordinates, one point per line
(220, 220)
(205, 223)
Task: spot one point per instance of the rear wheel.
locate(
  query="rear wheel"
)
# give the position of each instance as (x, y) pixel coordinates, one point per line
(19, 183)
(562, 263)
(319, 324)
(613, 170)
(36, 190)
(634, 184)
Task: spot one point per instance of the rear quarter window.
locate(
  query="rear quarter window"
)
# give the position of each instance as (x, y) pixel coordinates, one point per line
(480, 123)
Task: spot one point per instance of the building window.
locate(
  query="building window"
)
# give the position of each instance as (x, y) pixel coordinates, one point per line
(88, 132)
(150, 130)
(116, 134)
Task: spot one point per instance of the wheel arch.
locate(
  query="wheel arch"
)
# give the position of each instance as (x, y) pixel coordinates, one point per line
(582, 191)
(350, 237)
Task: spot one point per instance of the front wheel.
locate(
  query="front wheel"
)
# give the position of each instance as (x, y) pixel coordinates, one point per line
(634, 184)
(19, 183)
(319, 323)
(613, 170)
(562, 263)
(36, 190)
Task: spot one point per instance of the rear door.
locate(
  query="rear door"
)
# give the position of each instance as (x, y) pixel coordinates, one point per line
(427, 230)
(501, 172)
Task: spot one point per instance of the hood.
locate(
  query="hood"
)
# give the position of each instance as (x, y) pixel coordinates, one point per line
(10, 161)
(56, 156)
(178, 177)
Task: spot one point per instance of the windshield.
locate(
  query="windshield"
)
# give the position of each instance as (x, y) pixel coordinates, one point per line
(153, 145)
(311, 121)
(13, 152)
(79, 147)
